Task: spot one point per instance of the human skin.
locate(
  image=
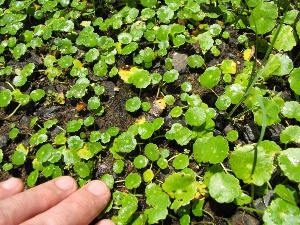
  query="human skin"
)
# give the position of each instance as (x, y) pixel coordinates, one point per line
(56, 202)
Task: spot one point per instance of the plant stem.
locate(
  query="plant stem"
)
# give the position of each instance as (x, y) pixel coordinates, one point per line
(252, 210)
(13, 112)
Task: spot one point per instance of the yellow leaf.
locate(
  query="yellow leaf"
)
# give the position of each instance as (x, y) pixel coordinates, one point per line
(248, 53)
(125, 72)
(141, 120)
(22, 148)
(85, 152)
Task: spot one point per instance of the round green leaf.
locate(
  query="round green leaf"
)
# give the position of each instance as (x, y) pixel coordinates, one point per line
(151, 151)
(32, 178)
(210, 77)
(262, 18)
(148, 175)
(18, 158)
(125, 142)
(289, 162)
(133, 104)
(286, 38)
(294, 80)
(210, 149)
(195, 116)
(65, 61)
(224, 187)
(140, 161)
(180, 162)
(133, 180)
(94, 102)
(37, 94)
(280, 212)
(195, 61)
(5, 96)
(290, 134)
(82, 169)
(170, 76)
(109, 180)
(118, 166)
(241, 162)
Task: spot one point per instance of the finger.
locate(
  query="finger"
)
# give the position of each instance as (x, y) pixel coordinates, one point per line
(78, 209)
(10, 187)
(27, 204)
(105, 222)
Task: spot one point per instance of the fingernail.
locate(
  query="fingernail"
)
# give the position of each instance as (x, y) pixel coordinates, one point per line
(10, 184)
(65, 183)
(97, 188)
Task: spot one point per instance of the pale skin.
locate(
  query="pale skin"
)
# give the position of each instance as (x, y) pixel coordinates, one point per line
(56, 202)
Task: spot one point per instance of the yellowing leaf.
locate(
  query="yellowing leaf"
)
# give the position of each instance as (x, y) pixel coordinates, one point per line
(77, 64)
(141, 120)
(158, 107)
(248, 53)
(85, 152)
(22, 148)
(125, 73)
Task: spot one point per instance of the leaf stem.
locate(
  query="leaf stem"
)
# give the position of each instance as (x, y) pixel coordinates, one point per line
(13, 112)
(251, 210)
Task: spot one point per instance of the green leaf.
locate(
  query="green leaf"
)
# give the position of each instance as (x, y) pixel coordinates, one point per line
(109, 180)
(140, 161)
(91, 55)
(32, 178)
(195, 116)
(289, 163)
(242, 161)
(6, 97)
(19, 156)
(280, 212)
(37, 94)
(195, 61)
(148, 175)
(287, 193)
(224, 187)
(294, 80)
(65, 61)
(159, 201)
(133, 180)
(210, 77)
(210, 149)
(262, 18)
(75, 142)
(182, 187)
(149, 3)
(74, 125)
(125, 142)
(286, 38)
(44, 152)
(151, 151)
(165, 14)
(18, 50)
(170, 76)
(82, 169)
(271, 109)
(206, 41)
(118, 166)
(290, 134)
(94, 102)
(180, 162)
(133, 104)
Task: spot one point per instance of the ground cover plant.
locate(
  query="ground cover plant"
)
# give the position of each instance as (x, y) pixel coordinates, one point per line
(188, 109)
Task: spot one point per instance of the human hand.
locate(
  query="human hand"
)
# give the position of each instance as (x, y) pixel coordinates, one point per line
(56, 202)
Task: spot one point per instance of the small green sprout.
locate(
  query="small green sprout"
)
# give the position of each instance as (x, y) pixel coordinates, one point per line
(82, 169)
(37, 94)
(223, 102)
(94, 102)
(176, 111)
(148, 175)
(162, 163)
(228, 66)
(19, 156)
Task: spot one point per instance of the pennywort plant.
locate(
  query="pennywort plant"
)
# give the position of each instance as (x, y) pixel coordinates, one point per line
(179, 138)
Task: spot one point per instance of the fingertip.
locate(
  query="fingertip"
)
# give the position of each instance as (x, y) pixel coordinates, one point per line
(98, 188)
(65, 183)
(105, 222)
(12, 184)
